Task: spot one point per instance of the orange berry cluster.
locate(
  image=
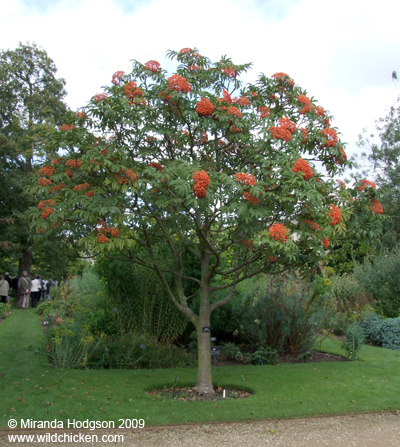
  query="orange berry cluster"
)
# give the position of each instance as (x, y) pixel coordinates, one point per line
(153, 66)
(331, 137)
(254, 200)
(156, 165)
(66, 127)
(125, 175)
(312, 224)
(334, 214)
(44, 181)
(105, 232)
(264, 111)
(364, 184)
(116, 77)
(248, 179)
(325, 242)
(100, 97)
(201, 183)
(205, 107)
(179, 84)
(46, 171)
(284, 130)
(307, 103)
(278, 231)
(376, 207)
(73, 163)
(132, 90)
(304, 167)
(81, 187)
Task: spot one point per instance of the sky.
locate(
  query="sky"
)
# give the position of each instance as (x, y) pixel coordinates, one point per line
(343, 53)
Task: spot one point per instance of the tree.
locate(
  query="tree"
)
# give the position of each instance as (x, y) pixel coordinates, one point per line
(382, 158)
(177, 159)
(31, 103)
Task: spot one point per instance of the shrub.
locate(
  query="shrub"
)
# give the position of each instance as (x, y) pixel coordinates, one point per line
(4, 308)
(141, 303)
(381, 278)
(284, 318)
(232, 352)
(264, 356)
(353, 342)
(382, 332)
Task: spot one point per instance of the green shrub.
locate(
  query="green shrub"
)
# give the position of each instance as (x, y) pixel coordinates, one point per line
(4, 308)
(353, 342)
(140, 300)
(264, 356)
(67, 346)
(284, 318)
(381, 278)
(382, 332)
(372, 328)
(232, 352)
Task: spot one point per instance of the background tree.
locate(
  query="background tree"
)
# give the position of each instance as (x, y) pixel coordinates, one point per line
(178, 159)
(31, 103)
(382, 158)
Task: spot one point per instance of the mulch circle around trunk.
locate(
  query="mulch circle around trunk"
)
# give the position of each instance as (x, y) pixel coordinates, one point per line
(187, 393)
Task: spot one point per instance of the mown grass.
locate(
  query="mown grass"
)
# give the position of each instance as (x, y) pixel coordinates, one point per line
(31, 389)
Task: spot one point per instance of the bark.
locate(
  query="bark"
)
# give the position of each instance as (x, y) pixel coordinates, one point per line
(204, 385)
(25, 261)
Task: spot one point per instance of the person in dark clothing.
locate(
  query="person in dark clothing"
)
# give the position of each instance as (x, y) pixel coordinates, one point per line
(48, 286)
(14, 286)
(7, 277)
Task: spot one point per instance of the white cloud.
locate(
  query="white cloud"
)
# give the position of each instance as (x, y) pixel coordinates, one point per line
(342, 53)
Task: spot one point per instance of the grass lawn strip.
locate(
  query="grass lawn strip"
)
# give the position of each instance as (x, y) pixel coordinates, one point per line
(31, 389)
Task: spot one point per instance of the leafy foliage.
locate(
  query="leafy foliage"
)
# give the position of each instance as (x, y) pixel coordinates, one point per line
(382, 332)
(31, 103)
(283, 318)
(380, 276)
(140, 301)
(264, 356)
(353, 341)
(232, 180)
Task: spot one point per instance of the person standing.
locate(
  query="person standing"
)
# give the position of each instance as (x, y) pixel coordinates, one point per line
(24, 287)
(35, 290)
(14, 286)
(7, 277)
(49, 284)
(4, 288)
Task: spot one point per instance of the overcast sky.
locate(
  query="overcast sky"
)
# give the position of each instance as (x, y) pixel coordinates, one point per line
(343, 52)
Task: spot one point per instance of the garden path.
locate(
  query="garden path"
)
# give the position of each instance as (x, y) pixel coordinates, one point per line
(362, 430)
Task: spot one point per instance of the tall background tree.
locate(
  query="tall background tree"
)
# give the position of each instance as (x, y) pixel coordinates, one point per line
(31, 103)
(178, 167)
(380, 156)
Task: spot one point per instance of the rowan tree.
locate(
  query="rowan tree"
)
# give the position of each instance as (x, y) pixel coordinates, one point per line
(208, 166)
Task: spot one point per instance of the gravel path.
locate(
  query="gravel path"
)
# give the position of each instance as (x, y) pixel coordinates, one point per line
(363, 430)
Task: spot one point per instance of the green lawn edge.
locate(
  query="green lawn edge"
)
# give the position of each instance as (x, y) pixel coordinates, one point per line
(31, 389)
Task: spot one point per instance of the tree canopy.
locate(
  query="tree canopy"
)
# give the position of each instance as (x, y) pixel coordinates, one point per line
(240, 177)
(31, 103)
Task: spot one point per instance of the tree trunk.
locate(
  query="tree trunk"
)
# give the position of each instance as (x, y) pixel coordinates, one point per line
(25, 261)
(204, 386)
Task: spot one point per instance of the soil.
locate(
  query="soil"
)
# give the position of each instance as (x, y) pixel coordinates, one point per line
(315, 357)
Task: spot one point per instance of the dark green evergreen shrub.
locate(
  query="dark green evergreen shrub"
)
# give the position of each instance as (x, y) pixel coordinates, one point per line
(382, 332)
(264, 356)
(232, 352)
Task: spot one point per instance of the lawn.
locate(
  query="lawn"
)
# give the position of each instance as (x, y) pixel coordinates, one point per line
(31, 389)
